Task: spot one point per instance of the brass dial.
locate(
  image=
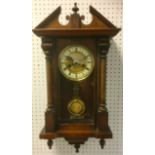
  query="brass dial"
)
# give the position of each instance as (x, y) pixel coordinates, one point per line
(76, 62)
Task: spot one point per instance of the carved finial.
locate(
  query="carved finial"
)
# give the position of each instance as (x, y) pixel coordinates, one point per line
(50, 143)
(77, 146)
(102, 143)
(75, 19)
(75, 8)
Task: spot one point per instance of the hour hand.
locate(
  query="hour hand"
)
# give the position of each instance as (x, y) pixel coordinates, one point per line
(69, 59)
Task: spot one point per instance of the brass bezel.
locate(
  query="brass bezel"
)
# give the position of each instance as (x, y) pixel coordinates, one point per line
(83, 108)
(89, 52)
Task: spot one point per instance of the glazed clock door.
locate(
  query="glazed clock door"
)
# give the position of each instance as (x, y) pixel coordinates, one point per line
(76, 65)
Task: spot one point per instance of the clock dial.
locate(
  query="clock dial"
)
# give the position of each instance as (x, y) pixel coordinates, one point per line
(76, 62)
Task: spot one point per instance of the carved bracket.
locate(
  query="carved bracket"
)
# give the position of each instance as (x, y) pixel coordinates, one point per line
(47, 45)
(103, 45)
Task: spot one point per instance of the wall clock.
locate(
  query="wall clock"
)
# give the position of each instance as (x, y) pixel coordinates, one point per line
(76, 76)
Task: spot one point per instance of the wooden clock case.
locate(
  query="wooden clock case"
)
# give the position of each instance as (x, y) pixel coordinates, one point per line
(55, 37)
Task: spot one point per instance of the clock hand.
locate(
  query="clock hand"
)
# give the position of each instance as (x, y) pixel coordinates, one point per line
(69, 58)
(69, 61)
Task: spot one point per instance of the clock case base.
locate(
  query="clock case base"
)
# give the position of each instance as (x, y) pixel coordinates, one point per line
(76, 132)
(77, 136)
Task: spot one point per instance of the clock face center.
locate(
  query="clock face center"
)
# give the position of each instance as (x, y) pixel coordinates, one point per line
(76, 62)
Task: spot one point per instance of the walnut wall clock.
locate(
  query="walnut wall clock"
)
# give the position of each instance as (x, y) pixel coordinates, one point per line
(76, 76)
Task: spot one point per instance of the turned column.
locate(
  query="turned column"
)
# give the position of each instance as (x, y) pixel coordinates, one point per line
(48, 48)
(103, 47)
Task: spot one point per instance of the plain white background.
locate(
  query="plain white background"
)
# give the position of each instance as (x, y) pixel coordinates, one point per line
(16, 75)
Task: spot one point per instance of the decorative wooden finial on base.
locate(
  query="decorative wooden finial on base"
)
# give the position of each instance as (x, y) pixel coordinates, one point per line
(77, 146)
(50, 143)
(102, 143)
